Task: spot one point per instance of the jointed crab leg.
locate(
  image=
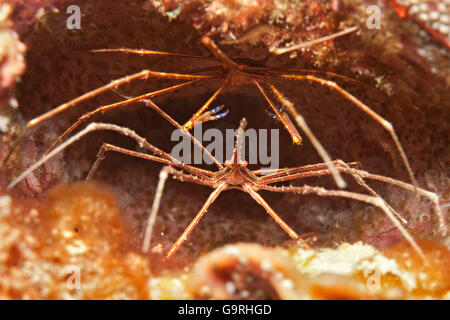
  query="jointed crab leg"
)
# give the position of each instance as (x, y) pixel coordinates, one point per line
(271, 212)
(273, 173)
(109, 107)
(198, 173)
(430, 195)
(163, 175)
(363, 184)
(109, 147)
(143, 52)
(375, 201)
(197, 176)
(161, 156)
(383, 122)
(341, 77)
(289, 173)
(207, 41)
(157, 200)
(320, 169)
(178, 126)
(151, 104)
(213, 196)
(204, 69)
(145, 74)
(143, 98)
(317, 145)
(315, 41)
(296, 139)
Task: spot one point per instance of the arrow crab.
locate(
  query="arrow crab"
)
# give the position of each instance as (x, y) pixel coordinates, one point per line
(234, 73)
(234, 174)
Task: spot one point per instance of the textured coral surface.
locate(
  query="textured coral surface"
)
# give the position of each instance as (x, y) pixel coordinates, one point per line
(74, 245)
(403, 62)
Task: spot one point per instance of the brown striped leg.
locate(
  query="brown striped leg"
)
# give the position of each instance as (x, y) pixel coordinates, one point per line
(145, 74)
(315, 142)
(270, 211)
(163, 175)
(113, 106)
(383, 122)
(375, 201)
(121, 130)
(212, 197)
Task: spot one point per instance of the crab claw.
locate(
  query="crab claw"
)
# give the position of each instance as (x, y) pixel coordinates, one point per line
(286, 121)
(272, 115)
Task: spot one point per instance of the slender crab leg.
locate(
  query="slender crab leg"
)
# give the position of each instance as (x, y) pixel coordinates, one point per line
(375, 201)
(212, 197)
(313, 42)
(143, 52)
(255, 195)
(162, 156)
(286, 172)
(163, 175)
(149, 103)
(116, 105)
(145, 74)
(198, 172)
(320, 171)
(296, 139)
(317, 145)
(383, 122)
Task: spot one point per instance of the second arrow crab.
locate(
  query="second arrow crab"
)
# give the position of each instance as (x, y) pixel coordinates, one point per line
(233, 73)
